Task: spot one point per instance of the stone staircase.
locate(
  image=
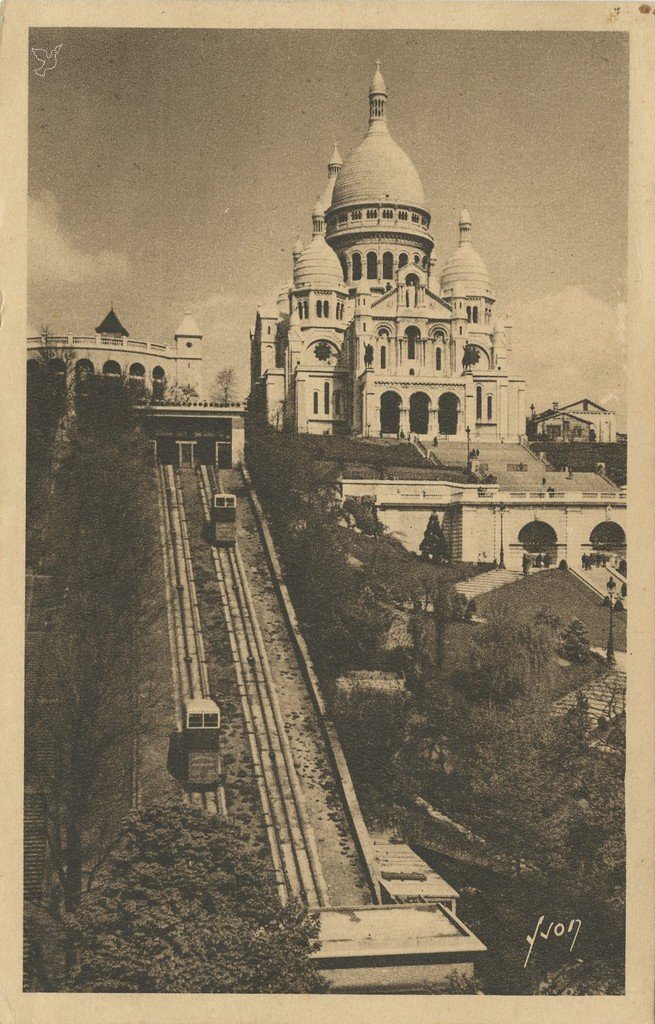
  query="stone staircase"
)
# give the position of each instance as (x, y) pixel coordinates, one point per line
(486, 581)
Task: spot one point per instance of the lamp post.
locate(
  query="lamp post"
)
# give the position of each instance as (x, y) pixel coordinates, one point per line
(468, 446)
(611, 586)
(501, 564)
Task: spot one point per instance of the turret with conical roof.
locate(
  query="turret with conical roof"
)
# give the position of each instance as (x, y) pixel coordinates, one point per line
(334, 166)
(465, 273)
(112, 325)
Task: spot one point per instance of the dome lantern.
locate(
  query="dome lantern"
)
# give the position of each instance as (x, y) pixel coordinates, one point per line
(318, 219)
(377, 97)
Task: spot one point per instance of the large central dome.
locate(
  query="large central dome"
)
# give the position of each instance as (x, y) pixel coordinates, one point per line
(378, 170)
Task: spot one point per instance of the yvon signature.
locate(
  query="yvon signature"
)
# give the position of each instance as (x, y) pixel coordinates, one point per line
(557, 929)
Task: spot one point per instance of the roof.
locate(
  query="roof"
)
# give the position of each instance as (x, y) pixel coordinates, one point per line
(188, 328)
(554, 413)
(318, 266)
(465, 273)
(409, 931)
(372, 679)
(406, 877)
(378, 170)
(112, 325)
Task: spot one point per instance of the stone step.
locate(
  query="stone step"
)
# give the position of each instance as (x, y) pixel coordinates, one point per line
(486, 582)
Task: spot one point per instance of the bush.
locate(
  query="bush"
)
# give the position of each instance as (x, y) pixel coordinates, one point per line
(575, 643)
(471, 610)
(563, 564)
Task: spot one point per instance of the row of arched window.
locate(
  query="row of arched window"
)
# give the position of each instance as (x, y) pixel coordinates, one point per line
(326, 401)
(322, 309)
(479, 405)
(412, 337)
(356, 268)
(373, 213)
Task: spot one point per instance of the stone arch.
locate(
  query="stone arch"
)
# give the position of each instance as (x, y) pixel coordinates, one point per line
(111, 368)
(372, 266)
(539, 538)
(390, 402)
(387, 266)
(84, 370)
(357, 266)
(419, 412)
(158, 373)
(608, 536)
(448, 411)
(137, 370)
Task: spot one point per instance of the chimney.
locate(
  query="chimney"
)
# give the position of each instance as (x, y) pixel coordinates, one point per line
(555, 406)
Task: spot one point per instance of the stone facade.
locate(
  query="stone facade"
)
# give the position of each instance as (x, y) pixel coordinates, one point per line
(369, 338)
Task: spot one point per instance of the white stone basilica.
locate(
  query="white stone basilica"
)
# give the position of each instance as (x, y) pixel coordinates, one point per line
(369, 339)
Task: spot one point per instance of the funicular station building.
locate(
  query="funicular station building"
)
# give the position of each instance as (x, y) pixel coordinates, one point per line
(166, 379)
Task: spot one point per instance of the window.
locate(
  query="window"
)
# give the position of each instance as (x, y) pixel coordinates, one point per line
(468, 313)
(387, 214)
(417, 258)
(357, 266)
(387, 266)
(413, 335)
(415, 218)
(337, 403)
(301, 311)
(383, 357)
(475, 314)
(343, 219)
(490, 407)
(319, 308)
(403, 260)
(211, 721)
(326, 309)
(437, 359)
(344, 267)
(402, 215)
(478, 403)
(371, 214)
(356, 215)
(326, 398)
(194, 721)
(372, 266)
(306, 305)
(315, 402)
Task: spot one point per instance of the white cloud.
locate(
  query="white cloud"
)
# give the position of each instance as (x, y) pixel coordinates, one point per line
(54, 258)
(571, 345)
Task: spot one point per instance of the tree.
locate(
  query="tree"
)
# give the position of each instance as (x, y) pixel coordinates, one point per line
(575, 643)
(178, 392)
(371, 751)
(184, 904)
(434, 546)
(224, 386)
(509, 659)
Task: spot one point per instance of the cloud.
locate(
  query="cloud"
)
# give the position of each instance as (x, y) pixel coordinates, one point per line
(52, 255)
(572, 345)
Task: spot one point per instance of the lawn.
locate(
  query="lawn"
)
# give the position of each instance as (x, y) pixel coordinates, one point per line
(563, 595)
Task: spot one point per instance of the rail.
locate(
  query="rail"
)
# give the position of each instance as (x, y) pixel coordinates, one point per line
(188, 663)
(293, 845)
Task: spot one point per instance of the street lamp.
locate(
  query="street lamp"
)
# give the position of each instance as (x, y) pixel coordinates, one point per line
(468, 445)
(611, 586)
(501, 564)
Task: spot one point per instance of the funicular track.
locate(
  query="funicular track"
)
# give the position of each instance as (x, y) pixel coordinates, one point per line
(188, 661)
(291, 837)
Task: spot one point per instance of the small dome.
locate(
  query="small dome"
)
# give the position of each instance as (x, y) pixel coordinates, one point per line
(318, 266)
(465, 273)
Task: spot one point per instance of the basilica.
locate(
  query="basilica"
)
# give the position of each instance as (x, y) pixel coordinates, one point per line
(369, 338)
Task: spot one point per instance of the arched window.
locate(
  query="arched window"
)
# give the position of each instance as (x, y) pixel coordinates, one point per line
(306, 304)
(357, 266)
(387, 266)
(372, 266)
(344, 267)
(319, 308)
(490, 407)
(417, 258)
(403, 260)
(337, 403)
(326, 397)
(112, 368)
(413, 335)
(475, 314)
(437, 358)
(383, 357)
(468, 313)
(478, 403)
(137, 370)
(326, 309)
(301, 311)
(315, 403)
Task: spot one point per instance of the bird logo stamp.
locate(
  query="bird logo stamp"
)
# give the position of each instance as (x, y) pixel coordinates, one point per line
(47, 60)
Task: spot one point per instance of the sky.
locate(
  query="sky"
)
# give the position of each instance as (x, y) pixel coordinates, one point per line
(173, 170)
